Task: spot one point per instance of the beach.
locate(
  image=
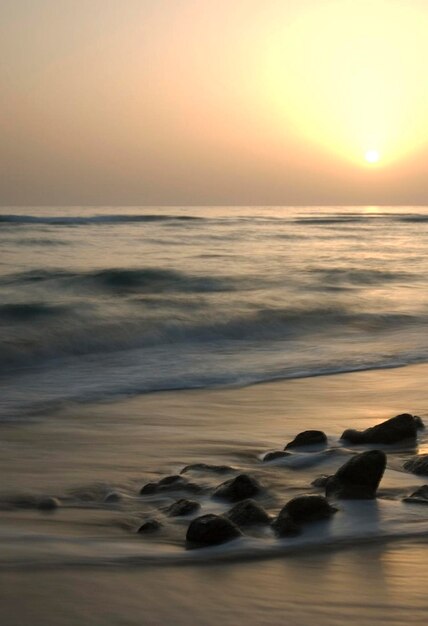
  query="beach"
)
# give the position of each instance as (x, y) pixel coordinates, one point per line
(85, 563)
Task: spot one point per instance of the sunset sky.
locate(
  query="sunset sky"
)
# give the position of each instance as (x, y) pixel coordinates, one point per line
(213, 102)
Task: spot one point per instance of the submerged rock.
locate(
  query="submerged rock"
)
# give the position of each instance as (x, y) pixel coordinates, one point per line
(112, 498)
(301, 510)
(273, 456)
(419, 423)
(394, 430)
(239, 488)
(285, 526)
(308, 438)
(248, 513)
(149, 526)
(310, 508)
(320, 481)
(182, 507)
(206, 467)
(417, 465)
(48, 504)
(359, 478)
(420, 496)
(170, 483)
(210, 529)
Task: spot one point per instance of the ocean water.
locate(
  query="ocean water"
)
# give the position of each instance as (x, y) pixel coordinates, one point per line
(101, 309)
(99, 303)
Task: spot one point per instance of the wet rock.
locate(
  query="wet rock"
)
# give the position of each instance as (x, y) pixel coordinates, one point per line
(301, 510)
(183, 507)
(239, 488)
(112, 498)
(308, 438)
(170, 483)
(320, 481)
(273, 456)
(394, 430)
(48, 504)
(420, 496)
(359, 478)
(304, 509)
(210, 529)
(149, 526)
(285, 526)
(248, 513)
(206, 467)
(417, 465)
(419, 423)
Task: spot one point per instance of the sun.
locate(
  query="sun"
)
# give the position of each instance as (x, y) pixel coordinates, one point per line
(372, 156)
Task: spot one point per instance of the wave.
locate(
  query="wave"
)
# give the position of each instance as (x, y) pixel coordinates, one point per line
(29, 311)
(78, 220)
(361, 276)
(142, 280)
(356, 524)
(84, 334)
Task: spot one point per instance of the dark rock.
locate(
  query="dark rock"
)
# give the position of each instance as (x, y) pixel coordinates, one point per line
(419, 423)
(359, 478)
(182, 507)
(112, 498)
(205, 467)
(170, 483)
(48, 504)
(417, 465)
(394, 430)
(285, 526)
(239, 488)
(272, 456)
(320, 481)
(149, 526)
(308, 438)
(420, 496)
(248, 513)
(307, 509)
(209, 530)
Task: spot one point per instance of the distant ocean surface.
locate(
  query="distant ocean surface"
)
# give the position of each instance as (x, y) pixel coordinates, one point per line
(102, 302)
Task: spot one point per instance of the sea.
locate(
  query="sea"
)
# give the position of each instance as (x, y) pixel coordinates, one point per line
(140, 343)
(105, 302)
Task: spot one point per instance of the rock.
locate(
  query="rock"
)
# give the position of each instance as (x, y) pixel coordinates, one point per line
(112, 498)
(149, 526)
(420, 496)
(419, 423)
(320, 481)
(359, 478)
(170, 483)
(285, 526)
(48, 504)
(304, 509)
(209, 530)
(248, 513)
(308, 438)
(239, 488)
(273, 456)
(394, 430)
(301, 510)
(417, 465)
(205, 467)
(182, 507)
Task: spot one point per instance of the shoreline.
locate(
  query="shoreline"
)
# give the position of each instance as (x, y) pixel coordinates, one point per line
(122, 445)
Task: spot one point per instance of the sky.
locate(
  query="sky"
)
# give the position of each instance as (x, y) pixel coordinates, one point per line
(213, 102)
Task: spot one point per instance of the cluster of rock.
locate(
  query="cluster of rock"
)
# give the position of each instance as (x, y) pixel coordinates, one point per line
(358, 478)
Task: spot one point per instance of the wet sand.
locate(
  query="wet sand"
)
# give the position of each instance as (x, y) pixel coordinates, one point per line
(64, 568)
